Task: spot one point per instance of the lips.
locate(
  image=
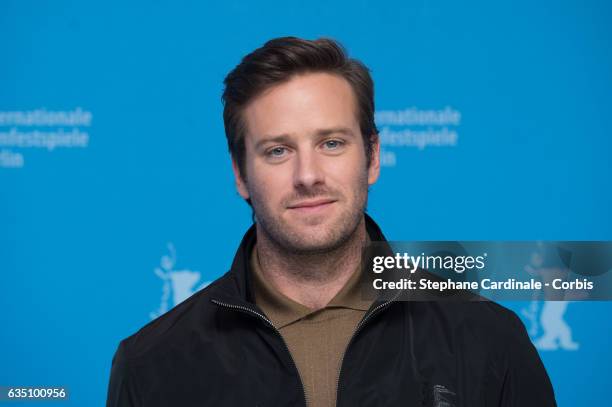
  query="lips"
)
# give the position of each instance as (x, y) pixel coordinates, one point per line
(312, 206)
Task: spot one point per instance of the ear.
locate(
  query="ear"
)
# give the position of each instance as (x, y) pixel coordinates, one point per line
(240, 183)
(374, 170)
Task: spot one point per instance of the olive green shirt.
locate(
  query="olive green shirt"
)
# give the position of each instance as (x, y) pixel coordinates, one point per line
(316, 339)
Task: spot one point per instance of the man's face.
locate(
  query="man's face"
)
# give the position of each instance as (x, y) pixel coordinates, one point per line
(305, 166)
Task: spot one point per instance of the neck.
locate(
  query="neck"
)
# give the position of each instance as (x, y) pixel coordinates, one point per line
(310, 279)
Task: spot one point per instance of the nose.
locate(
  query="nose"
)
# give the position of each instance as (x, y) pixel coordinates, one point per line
(308, 172)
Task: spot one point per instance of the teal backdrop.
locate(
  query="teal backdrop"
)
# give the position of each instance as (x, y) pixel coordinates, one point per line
(115, 176)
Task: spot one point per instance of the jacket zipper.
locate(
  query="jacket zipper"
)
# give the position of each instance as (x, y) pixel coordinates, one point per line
(360, 325)
(265, 319)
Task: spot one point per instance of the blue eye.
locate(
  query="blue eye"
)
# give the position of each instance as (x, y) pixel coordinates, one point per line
(333, 144)
(276, 152)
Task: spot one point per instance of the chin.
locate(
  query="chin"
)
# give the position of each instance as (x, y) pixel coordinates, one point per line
(322, 241)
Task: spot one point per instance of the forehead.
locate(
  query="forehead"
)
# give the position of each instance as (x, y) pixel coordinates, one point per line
(303, 104)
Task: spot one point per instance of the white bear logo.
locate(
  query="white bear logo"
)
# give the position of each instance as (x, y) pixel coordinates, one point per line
(547, 327)
(178, 283)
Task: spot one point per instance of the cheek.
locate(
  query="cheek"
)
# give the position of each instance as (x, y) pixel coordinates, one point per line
(348, 175)
(270, 184)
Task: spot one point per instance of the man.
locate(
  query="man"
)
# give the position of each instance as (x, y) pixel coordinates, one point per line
(286, 326)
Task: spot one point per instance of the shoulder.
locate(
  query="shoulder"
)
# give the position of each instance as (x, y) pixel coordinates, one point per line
(490, 319)
(485, 314)
(175, 325)
(481, 323)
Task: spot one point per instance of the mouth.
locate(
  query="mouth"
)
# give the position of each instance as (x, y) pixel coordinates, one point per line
(312, 206)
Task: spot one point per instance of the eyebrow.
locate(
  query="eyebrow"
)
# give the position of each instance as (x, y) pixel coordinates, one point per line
(283, 138)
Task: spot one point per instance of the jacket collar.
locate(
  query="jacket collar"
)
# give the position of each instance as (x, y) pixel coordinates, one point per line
(236, 286)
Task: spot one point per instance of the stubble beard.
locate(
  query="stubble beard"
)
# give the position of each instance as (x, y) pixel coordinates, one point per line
(291, 241)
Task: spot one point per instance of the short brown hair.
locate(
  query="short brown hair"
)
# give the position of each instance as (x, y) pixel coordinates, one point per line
(277, 61)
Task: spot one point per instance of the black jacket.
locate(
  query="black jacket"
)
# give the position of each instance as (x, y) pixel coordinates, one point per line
(217, 348)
